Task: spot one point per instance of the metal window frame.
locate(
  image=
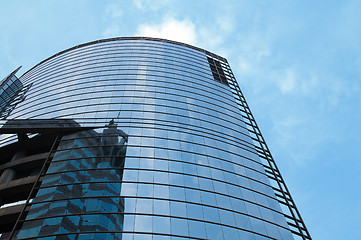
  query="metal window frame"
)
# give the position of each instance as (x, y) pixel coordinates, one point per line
(293, 219)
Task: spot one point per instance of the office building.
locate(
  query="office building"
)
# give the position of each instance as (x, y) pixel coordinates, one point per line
(136, 138)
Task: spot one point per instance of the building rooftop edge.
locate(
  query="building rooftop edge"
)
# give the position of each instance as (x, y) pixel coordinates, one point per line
(129, 38)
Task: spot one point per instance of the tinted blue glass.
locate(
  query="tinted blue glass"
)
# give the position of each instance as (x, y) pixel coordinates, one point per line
(187, 167)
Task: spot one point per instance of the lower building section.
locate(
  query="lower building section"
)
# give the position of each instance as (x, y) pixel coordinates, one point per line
(81, 189)
(69, 182)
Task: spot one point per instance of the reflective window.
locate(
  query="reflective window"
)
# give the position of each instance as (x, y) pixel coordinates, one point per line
(177, 162)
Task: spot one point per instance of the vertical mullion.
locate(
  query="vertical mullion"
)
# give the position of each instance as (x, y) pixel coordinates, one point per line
(282, 188)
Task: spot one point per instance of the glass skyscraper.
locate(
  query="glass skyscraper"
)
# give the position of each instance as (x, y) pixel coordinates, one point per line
(136, 138)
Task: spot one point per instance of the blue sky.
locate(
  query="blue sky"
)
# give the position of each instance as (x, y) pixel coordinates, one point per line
(297, 62)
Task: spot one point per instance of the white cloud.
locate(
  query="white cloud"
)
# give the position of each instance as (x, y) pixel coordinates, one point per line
(145, 5)
(172, 29)
(255, 56)
(138, 4)
(285, 125)
(112, 31)
(113, 10)
(226, 23)
(112, 15)
(244, 65)
(287, 82)
(292, 80)
(211, 38)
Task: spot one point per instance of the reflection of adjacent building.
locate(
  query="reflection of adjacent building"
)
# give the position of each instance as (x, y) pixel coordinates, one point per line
(12, 91)
(78, 190)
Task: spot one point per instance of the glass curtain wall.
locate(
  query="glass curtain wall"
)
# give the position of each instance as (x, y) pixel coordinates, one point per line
(190, 169)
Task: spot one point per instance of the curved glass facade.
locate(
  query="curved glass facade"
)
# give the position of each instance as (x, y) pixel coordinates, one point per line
(170, 156)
